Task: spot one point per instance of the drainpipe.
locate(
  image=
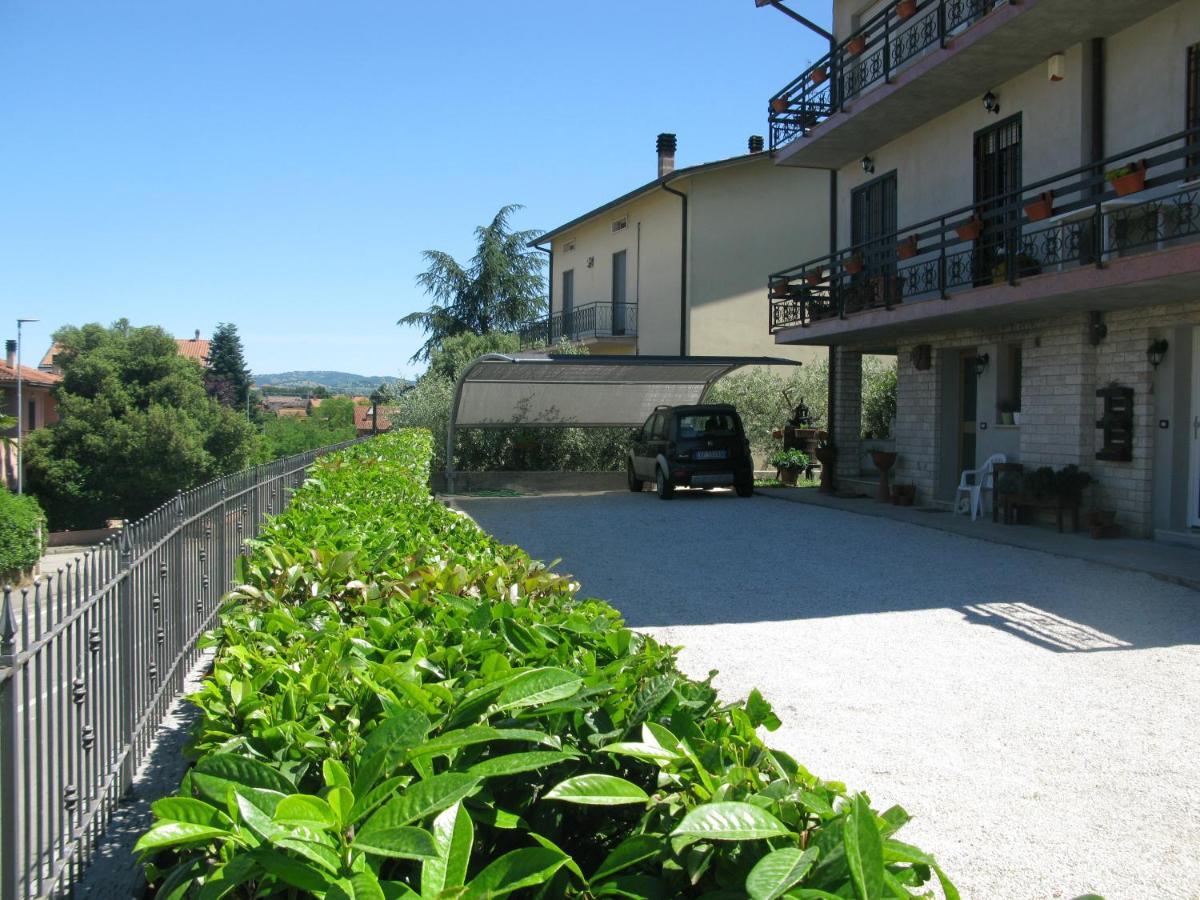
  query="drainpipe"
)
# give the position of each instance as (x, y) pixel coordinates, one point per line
(683, 249)
(1096, 48)
(549, 251)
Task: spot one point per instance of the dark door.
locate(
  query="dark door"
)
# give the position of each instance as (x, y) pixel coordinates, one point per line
(618, 293)
(997, 175)
(650, 442)
(568, 305)
(873, 231)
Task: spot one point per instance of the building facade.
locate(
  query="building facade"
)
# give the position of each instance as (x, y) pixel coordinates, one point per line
(1018, 220)
(675, 266)
(38, 406)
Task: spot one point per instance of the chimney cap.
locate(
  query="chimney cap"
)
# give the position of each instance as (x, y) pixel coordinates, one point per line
(197, 337)
(755, 143)
(666, 143)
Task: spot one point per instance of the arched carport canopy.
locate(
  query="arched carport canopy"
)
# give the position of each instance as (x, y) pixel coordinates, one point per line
(555, 390)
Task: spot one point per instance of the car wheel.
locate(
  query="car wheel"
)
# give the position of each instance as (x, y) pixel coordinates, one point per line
(745, 489)
(635, 483)
(663, 488)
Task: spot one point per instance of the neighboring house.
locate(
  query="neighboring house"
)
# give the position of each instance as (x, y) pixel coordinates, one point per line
(281, 405)
(37, 398)
(366, 422)
(979, 238)
(675, 266)
(194, 348)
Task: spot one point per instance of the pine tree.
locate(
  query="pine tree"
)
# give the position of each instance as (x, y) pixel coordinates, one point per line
(227, 378)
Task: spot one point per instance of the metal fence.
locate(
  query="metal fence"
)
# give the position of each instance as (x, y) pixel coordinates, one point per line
(92, 657)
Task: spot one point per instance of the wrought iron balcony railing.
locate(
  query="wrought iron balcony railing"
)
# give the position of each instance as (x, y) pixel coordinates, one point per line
(884, 44)
(1144, 199)
(601, 319)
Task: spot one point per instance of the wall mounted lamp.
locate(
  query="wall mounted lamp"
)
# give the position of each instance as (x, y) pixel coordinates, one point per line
(1156, 352)
(868, 165)
(981, 363)
(991, 103)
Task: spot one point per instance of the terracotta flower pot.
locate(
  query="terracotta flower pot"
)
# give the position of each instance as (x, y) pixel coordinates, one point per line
(853, 265)
(907, 248)
(814, 276)
(788, 476)
(856, 45)
(826, 456)
(1041, 208)
(906, 9)
(777, 433)
(818, 76)
(904, 494)
(780, 104)
(1132, 182)
(779, 290)
(970, 230)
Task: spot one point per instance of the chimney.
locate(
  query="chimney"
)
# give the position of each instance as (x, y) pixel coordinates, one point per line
(756, 143)
(197, 337)
(10, 353)
(666, 154)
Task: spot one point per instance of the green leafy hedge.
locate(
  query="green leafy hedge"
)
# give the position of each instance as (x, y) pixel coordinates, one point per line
(22, 534)
(403, 707)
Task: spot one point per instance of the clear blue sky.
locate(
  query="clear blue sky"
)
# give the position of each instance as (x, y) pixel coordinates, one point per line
(280, 164)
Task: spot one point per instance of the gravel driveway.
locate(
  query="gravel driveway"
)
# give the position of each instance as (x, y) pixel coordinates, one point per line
(1038, 716)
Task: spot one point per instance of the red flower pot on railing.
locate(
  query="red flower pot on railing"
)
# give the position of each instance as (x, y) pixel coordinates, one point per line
(818, 75)
(856, 45)
(906, 9)
(780, 104)
(853, 264)
(780, 290)
(907, 248)
(813, 277)
(970, 230)
(1041, 208)
(1128, 179)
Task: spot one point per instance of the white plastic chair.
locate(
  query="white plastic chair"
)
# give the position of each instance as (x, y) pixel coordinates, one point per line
(974, 482)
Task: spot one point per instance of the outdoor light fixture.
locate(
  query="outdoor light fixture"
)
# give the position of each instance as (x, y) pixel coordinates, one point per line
(1156, 352)
(981, 363)
(991, 103)
(868, 165)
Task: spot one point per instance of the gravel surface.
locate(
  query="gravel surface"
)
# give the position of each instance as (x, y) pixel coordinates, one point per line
(1037, 715)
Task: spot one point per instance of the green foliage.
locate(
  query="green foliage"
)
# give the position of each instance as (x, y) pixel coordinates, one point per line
(878, 396)
(330, 423)
(227, 377)
(790, 459)
(1047, 483)
(22, 534)
(401, 706)
(501, 287)
(136, 426)
(454, 353)
(765, 399)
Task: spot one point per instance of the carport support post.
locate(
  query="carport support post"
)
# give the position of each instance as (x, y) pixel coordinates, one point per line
(845, 389)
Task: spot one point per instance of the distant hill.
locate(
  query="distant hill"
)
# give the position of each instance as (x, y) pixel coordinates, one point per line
(336, 382)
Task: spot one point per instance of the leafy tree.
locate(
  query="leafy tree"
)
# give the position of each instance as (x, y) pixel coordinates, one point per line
(501, 287)
(22, 534)
(227, 377)
(320, 392)
(136, 426)
(330, 423)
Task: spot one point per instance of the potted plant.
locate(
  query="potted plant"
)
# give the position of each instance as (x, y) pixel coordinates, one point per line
(1016, 417)
(1128, 179)
(789, 464)
(906, 9)
(856, 45)
(907, 248)
(904, 494)
(818, 75)
(1041, 208)
(780, 104)
(970, 230)
(813, 276)
(1005, 412)
(779, 289)
(853, 264)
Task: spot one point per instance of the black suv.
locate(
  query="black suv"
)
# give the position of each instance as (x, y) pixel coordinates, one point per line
(691, 446)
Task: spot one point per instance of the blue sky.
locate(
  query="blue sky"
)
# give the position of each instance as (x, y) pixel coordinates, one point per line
(280, 164)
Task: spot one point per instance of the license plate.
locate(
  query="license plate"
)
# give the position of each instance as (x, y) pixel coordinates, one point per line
(712, 454)
(712, 479)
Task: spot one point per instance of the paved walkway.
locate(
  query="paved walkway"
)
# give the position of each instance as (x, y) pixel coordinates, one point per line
(1035, 713)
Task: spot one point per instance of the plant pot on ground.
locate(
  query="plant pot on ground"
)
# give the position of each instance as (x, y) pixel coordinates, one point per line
(789, 464)
(1128, 179)
(827, 455)
(904, 494)
(1099, 518)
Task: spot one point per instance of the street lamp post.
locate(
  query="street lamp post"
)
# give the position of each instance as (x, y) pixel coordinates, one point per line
(20, 413)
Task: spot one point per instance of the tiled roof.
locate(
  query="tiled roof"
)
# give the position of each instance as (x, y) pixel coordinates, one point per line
(29, 375)
(194, 348)
(362, 418)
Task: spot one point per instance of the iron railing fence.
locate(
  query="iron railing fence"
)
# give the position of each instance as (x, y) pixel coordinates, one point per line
(598, 319)
(883, 45)
(93, 655)
(1077, 218)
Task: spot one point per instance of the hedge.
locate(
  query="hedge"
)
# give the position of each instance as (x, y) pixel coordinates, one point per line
(401, 706)
(22, 534)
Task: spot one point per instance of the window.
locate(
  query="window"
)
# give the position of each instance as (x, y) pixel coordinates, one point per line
(31, 419)
(1193, 94)
(620, 224)
(706, 426)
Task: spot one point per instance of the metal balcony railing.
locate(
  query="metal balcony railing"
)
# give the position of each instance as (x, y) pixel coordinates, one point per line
(601, 319)
(1083, 217)
(884, 44)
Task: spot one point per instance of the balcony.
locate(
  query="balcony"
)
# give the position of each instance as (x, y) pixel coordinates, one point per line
(917, 60)
(601, 322)
(1084, 239)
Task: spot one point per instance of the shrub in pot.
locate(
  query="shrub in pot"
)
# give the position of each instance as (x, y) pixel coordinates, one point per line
(789, 464)
(1128, 179)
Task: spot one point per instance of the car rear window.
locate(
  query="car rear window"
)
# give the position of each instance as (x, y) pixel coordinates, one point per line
(707, 425)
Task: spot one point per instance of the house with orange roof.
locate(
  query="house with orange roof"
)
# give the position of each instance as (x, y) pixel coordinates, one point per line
(366, 422)
(194, 348)
(40, 408)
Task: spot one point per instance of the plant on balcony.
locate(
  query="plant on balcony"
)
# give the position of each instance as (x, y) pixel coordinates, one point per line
(780, 290)
(1128, 179)
(814, 276)
(856, 45)
(1027, 266)
(1041, 208)
(906, 9)
(818, 75)
(853, 264)
(970, 230)
(907, 248)
(780, 104)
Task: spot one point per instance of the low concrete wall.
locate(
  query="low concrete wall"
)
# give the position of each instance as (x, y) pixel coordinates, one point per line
(530, 482)
(83, 538)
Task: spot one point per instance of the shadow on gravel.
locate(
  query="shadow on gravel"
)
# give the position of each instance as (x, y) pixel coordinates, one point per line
(707, 558)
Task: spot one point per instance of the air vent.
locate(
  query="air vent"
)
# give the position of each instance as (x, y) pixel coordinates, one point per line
(621, 224)
(569, 246)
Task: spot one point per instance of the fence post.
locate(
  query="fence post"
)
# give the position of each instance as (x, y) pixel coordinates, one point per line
(10, 805)
(125, 643)
(223, 572)
(179, 638)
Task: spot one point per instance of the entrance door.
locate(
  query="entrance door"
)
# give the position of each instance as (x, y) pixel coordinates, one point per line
(1194, 485)
(997, 174)
(618, 293)
(568, 305)
(967, 410)
(872, 230)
